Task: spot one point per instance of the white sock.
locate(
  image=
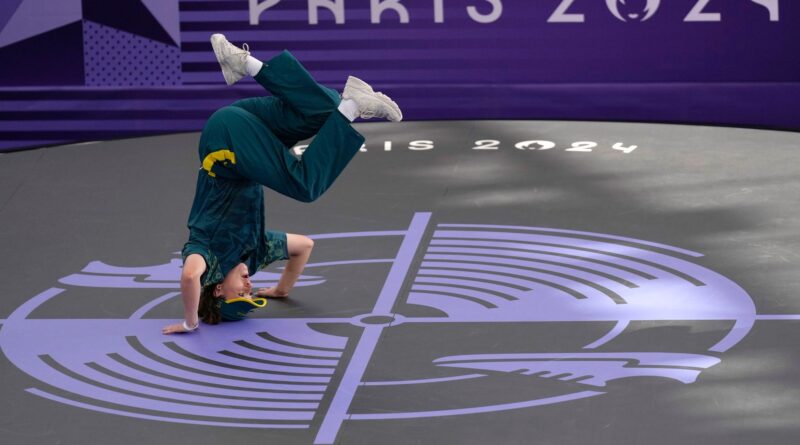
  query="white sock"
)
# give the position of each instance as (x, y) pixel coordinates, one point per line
(349, 109)
(253, 65)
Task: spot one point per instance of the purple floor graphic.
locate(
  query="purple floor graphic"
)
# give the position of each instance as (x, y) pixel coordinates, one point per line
(285, 373)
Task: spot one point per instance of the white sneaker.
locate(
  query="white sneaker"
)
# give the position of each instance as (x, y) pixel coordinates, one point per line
(231, 58)
(371, 104)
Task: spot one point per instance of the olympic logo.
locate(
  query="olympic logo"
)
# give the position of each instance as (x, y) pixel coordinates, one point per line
(288, 372)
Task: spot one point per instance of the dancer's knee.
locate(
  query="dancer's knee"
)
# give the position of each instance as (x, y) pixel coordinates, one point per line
(308, 197)
(308, 194)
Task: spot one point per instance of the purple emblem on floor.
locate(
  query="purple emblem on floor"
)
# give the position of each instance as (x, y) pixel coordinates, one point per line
(278, 372)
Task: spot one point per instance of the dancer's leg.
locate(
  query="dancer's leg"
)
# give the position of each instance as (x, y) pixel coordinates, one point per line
(273, 112)
(303, 179)
(258, 130)
(283, 76)
(236, 144)
(299, 105)
(287, 79)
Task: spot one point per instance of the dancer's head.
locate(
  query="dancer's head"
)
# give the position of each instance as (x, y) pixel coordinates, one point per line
(235, 285)
(230, 299)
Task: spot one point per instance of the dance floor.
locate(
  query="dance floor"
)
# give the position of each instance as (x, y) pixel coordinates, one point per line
(472, 282)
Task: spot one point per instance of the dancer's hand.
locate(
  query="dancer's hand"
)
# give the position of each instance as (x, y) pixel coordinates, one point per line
(271, 292)
(176, 328)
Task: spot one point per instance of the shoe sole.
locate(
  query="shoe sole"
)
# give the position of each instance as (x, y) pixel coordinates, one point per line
(217, 42)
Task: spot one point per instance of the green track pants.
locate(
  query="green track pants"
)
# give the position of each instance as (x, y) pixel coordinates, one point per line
(250, 139)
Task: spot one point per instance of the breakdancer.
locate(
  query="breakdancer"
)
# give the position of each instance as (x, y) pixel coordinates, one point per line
(245, 146)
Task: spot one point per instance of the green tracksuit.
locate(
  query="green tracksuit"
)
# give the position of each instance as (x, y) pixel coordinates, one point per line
(245, 146)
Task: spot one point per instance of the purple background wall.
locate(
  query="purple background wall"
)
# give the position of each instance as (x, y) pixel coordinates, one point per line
(80, 70)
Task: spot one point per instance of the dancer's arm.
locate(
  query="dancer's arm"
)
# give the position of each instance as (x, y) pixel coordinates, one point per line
(193, 269)
(299, 248)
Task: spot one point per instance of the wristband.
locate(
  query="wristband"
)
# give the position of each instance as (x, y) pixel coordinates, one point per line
(190, 329)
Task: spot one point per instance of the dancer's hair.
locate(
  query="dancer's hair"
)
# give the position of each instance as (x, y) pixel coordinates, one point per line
(208, 310)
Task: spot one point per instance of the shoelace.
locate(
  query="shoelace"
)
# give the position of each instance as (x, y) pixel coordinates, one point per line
(242, 56)
(244, 50)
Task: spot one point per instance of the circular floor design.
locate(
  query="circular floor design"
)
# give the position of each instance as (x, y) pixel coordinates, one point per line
(472, 282)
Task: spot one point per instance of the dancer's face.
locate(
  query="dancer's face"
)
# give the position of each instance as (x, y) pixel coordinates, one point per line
(236, 284)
